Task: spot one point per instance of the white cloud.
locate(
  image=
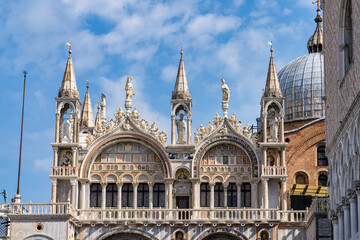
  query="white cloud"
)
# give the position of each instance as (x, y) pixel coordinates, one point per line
(305, 3)
(168, 73)
(287, 11)
(43, 164)
(238, 3)
(212, 24)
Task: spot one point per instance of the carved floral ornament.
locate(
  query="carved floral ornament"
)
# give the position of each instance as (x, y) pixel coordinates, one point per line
(216, 124)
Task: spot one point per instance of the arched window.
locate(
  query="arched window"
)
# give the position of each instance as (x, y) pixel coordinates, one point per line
(321, 157)
(95, 195)
(179, 235)
(322, 181)
(246, 195)
(204, 195)
(143, 195)
(127, 195)
(159, 195)
(301, 178)
(111, 195)
(347, 39)
(264, 235)
(232, 195)
(219, 195)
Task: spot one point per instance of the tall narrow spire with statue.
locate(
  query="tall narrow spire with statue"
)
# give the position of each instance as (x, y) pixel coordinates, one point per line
(181, 104)
(87, 116)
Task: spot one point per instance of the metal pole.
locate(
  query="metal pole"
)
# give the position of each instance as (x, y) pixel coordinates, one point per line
(21, 135)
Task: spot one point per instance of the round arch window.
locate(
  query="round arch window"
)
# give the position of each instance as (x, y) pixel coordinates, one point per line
(301, 178)
(322, 180)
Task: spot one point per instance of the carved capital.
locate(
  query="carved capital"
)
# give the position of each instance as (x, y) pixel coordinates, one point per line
(73, 181)
(239, 184)
(74, 149)
(169, 181)
(56, 149)
(265, 180)
(135, 184)
(151, 184)
(195, 180)
(283, 180)
(212, 184)
(119, 184)
(103, 184)
(83, 181)
(225, 184)
(53, 181)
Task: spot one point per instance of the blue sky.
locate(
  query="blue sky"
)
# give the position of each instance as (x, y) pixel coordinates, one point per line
(111, 39)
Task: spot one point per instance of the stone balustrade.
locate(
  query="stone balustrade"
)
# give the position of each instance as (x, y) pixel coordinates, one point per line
(273, 171)
(41, 208)
(63, 171)
(319, 205)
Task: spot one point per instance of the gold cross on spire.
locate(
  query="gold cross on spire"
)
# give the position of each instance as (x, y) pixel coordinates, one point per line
(317, 2)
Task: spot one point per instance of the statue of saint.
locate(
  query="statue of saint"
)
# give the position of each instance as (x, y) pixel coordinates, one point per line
(274, 127)
(67, 159)
(120, 115)
(67, 132)
(202, 131)
(181, 130)
(144, 125)
(238, 127)
(247, 130)
(233, 118)
(103, 107)
(226, 91)
(129, 89)
(211, 127)
(196, 138)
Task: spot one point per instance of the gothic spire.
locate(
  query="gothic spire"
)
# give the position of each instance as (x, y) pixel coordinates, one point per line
(181, 90)
(315, 43)
(98, 123)
(68, 86)
(272, 87)
(87, 116)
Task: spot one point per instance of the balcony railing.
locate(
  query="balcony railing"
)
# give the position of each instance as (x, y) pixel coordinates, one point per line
(273, 171)
(319, 205)
(159, 215)
(63, 171)
(243, 215)
(41, 208)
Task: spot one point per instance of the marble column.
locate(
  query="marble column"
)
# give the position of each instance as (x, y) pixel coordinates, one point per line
(265, 193)
(265, 156)
(74, 158)
(353, 216)
(73, 183)
(169, 192)
(283, 194)
(57, 128)
(212, 198)
(53, 189)
(341, 225)
(135, 187)
(335, 229)
(151, 194)
(74, 140)
(196, 192)
(239, 194)
(189, 129)
(346, 209)
(264, 118)
(56, 152)
(254, 194)
(82, 193)
(358, 208)
(173, 129)
(119, 187)
(282, 129)
(282, 157)
(103, 195)
(225, 186)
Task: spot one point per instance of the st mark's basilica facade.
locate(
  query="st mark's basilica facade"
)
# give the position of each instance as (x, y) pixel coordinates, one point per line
(125, 178)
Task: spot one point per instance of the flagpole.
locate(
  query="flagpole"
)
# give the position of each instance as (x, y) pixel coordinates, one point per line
(17, 196)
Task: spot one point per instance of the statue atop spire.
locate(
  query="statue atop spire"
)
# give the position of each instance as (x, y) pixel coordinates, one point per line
(272, 87)
(129, 93)
(316, 41)
(225, 97)
(68, 86)
(181, 89)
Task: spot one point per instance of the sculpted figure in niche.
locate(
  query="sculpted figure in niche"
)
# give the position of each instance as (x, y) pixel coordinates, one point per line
(217, 120)
(67, 136)
(129, 89)
(181, 130)
(226, 91)
(274, 127)
(67, 159)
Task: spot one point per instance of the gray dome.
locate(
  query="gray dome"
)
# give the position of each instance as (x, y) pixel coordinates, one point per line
(302, 85)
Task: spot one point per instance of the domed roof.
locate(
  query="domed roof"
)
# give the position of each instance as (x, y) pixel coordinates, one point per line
(302, 85)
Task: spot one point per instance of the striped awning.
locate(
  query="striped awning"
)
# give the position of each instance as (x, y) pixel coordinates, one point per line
(308, 190)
